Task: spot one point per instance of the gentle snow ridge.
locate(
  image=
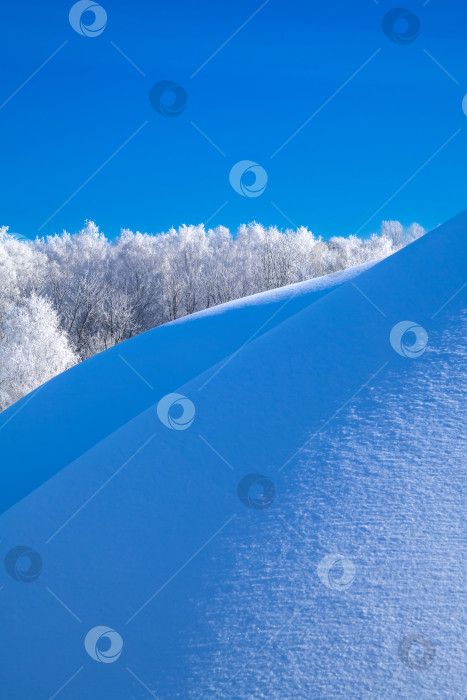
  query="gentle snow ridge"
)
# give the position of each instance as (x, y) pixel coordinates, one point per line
(120, 383)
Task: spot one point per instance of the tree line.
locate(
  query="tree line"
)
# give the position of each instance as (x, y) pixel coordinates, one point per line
(66, 297)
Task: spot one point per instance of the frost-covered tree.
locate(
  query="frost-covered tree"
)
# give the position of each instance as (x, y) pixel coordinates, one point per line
(33, 349)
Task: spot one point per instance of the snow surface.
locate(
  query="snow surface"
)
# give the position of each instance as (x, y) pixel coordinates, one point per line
(84, 405)
(144, 531)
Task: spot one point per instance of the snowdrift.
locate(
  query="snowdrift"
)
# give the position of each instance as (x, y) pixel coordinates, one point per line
(287, 524)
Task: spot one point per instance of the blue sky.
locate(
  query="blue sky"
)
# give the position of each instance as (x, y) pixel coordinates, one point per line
(70, 152)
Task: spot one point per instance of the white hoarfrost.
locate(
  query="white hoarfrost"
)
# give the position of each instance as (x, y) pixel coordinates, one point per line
(33, 349)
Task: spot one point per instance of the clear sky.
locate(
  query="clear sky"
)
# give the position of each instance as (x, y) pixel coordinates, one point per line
(81, 140)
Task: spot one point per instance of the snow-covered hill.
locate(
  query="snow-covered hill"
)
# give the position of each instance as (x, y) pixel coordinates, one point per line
(296, 532)
(96, 397)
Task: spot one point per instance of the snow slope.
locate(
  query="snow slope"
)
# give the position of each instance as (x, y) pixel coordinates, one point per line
(344, 580)
(84, 405)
